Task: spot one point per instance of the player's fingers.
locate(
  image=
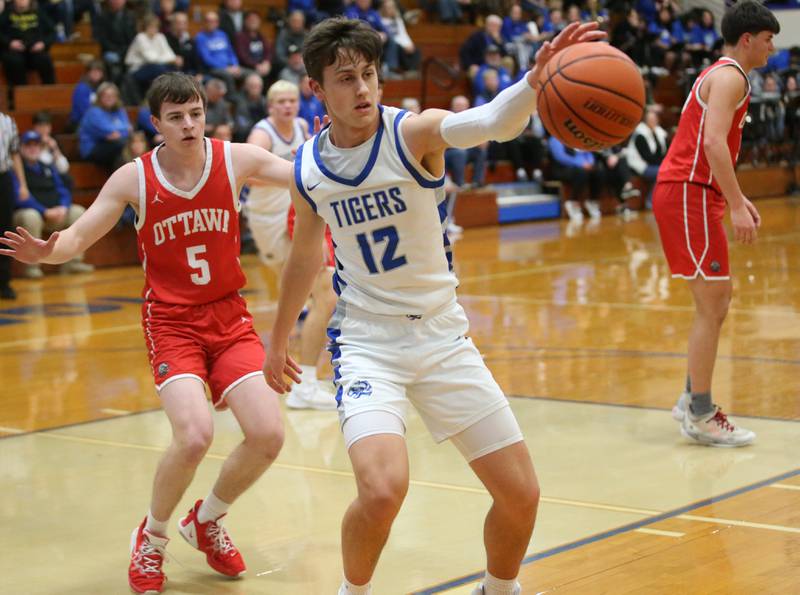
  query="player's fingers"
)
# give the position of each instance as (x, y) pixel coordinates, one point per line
(51, 241)
(13, 236)
(277, 385)
(592, 36)
(6, 252)
(10, 242)
(291, 373)
(290, 361)
(25, 234)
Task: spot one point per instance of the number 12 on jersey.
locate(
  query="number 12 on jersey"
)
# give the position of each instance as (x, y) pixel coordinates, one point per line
(388, 261)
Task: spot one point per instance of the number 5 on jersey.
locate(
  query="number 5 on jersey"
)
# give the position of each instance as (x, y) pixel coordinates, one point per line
(389, 261)
(204, 276)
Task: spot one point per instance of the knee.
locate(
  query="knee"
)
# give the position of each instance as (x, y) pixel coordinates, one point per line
(267, 442)
(194, 443)
(715, 308)
(382, 498)
(521, 500)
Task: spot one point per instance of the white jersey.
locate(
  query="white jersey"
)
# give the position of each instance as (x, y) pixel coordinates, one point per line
(269, 200)
(387, 217)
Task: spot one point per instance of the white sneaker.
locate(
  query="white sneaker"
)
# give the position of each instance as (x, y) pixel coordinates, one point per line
(454, 229)
(478, 590)
(593, 207)
(34, 271)
(573, 210)
(310, 395)
(716, 429)
(679, 410)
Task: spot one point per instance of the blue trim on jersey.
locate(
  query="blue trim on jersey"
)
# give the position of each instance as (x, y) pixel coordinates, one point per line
(333, 348)
(421, 180)
(298, 178)
(448, 250)
(373, 156)
(338, 283)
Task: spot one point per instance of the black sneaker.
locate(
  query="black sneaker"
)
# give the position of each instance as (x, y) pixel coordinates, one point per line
(7, 293)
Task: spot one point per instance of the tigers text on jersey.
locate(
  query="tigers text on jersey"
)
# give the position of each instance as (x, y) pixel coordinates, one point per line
(269, 200)
(686, 159)
(386, 214)
(189, 240)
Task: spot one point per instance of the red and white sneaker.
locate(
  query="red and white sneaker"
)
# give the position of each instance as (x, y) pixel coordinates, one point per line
(716, 429)
(147, 556)
(213, 540)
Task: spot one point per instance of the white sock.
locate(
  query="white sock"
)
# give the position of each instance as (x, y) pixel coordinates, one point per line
(155, 527)
(309, 373)
(497, 586)
(211, 509)
(349, 588)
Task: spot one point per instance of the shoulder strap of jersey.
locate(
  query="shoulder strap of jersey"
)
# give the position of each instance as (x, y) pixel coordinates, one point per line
(298, 175)
(142, 182)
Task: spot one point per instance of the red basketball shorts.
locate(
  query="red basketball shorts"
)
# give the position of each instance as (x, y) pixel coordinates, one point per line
(215, 343)
(689, 220)
(330, 259)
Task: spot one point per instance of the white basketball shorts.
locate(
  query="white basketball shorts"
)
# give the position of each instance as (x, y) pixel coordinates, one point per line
(271, 237)
(381, 363)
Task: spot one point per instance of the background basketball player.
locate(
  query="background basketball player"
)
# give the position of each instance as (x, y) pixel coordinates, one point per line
(271, 221)
(695, 180)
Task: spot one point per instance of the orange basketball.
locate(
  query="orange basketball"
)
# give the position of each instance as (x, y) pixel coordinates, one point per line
(591, 96)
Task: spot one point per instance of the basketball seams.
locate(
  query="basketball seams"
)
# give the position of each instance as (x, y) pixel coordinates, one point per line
(579, 117)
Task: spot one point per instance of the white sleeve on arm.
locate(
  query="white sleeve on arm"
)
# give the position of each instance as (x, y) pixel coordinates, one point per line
(502, 119)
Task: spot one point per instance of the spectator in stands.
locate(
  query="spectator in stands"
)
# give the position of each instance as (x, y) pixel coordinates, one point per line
(594, 11)
(647, 147)
(137, 145)
(362, 9)
(473, 50)
(216, 52)
(574, 14)
(26, 34)
(115, 30)
(252, 49)
(411, 104)
(456, 160)
(48, 207)
(408, 56)
(294, 69)
(630, 36)
(150, 54)
(105, 128)
(492, 61)
(517, 35)
(293, 34)
(577, 169)
(248, 106)
(222, 132)
(308, 8)
(618, 176)
(449, 11)
(310, 106)
(181, 42)
(669, 38)
(51, 154)
(231, 19)
(703, 39)
(9, 159)
(555, 23)
(165, 9)
(218, 110)
(84, 93)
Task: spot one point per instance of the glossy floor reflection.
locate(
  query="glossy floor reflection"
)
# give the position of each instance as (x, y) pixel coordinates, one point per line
(581, 325)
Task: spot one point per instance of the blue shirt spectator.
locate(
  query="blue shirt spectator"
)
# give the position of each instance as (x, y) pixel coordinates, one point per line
(513, 29)
(504, 78)
(215, 49)
(39, 171)
(362, 9)
(98, 124)
(571, 157)
(310, 107)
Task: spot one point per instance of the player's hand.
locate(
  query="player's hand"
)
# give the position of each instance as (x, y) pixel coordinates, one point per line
(280, 364)
(570, 35)
(745, 221)
(26, 248)
(320, 125)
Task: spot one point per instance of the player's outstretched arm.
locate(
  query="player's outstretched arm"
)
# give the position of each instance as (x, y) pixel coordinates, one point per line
(726, 88)
(254, 165)
(120, 189)
(503, 118)
(299, 272)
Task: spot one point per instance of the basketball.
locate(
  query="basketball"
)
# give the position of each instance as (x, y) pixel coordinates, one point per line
(591, 96)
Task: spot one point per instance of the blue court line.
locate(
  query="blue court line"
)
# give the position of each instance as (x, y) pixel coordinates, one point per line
(645, 407)
(634, 353)
(619, 530)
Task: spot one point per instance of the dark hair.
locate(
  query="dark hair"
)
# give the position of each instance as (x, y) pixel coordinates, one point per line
(748, 16)
(339, 36)
(42, 117)
(175, 87)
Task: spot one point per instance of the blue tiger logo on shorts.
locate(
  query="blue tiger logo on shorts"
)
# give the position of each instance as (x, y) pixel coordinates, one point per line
(360, 388)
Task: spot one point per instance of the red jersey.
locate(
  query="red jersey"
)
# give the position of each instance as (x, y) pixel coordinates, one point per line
(189, 241)
(686, 160)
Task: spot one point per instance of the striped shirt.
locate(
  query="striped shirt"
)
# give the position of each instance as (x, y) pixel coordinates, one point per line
(9, 142)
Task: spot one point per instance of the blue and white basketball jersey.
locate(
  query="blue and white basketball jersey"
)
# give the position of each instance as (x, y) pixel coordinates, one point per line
(387, 217)
(271, 200)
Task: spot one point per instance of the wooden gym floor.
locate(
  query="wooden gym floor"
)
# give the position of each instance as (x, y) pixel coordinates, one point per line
(586, 333)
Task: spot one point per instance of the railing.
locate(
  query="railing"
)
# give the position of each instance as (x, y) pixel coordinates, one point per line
(439, 73)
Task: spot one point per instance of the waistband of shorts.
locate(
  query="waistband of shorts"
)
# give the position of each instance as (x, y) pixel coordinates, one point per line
(228, 296)
(354, 312)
